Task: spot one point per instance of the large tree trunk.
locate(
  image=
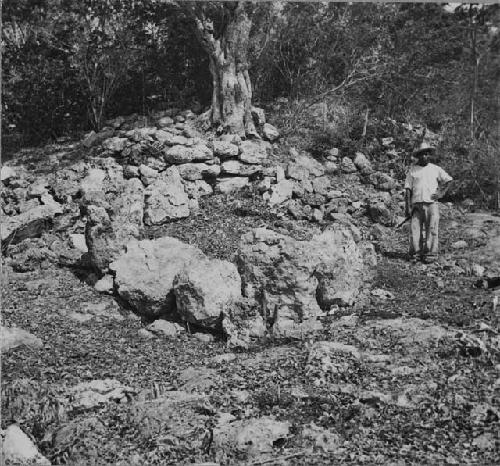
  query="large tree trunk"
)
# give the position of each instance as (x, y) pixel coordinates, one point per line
(228, 54)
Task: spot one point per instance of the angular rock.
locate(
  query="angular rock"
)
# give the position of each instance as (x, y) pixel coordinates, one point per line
(270, 132)
(77, 240)
(6, 173)
(254, 152)
(198, 188)
(166, 200)
(321, 185)
(28, 224)
(314, 167)
(347, 165)
(229, 185)
(298, 210)
(18, 449)
(281, 192)
(295, 280)
(205, 290)
(165, 328)
(242, 324)
(382, 181)
(106, 235)
(181, 154)
(380, 213)
(258, 115)
(297, 172)
(165, 121)
(88, 395)
(12, 337)
(225, 149)
(148, 175)
(362, 163)
(179, 415)
(105, 284)
(198, 171)
(235, 167)
(248, 438)
(145, 274)
(92, 186)
(115, 144)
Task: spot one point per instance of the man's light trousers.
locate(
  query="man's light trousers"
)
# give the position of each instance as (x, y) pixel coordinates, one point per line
(424, 229)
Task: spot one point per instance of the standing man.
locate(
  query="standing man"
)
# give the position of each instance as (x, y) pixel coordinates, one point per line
(421, 194)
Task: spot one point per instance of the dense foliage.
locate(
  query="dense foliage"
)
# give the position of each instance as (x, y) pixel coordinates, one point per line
(67, 66)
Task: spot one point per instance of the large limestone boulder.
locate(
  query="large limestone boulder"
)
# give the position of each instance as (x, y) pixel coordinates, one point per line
(296, 280)
(166, 200)
(181, 154)
(254, 152)
(205, 290)
(106, 233)
(144, 275)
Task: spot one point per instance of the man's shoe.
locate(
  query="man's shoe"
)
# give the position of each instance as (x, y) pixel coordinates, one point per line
(429, 259)
(413, 258)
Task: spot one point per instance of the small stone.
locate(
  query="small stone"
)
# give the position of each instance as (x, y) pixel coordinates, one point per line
(459, 244)
(105, 284)
(270, 132)
(204, 337)
(145, 334)
(347, 165)
(165, 121)
(229, 185)
(165, 328)
(477, 270)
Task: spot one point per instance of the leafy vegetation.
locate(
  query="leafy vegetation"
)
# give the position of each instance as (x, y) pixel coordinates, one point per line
(336, 69)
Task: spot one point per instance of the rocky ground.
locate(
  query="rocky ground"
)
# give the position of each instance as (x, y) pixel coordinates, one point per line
(409, 376)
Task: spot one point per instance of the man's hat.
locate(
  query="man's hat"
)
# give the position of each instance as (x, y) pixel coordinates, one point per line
(423, 148)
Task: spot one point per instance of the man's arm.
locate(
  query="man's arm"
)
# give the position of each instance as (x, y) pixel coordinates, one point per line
(444, 181)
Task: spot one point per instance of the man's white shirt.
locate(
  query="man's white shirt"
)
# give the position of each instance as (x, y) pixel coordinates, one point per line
(424, 181)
